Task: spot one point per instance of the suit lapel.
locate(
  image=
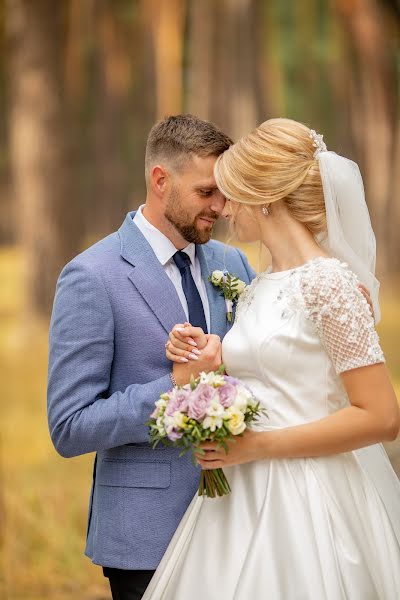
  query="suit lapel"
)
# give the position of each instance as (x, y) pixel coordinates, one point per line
(149, 277)
(208, 264)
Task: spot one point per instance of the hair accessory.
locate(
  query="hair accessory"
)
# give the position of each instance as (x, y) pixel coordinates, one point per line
(265, 210)
(318, 142)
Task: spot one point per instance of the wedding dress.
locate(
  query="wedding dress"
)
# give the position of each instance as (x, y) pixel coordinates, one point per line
(324, 528)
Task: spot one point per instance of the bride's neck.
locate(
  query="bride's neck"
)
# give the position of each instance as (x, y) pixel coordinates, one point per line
(289, 242)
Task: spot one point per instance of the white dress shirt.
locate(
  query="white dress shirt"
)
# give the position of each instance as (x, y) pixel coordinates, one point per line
(164, 250)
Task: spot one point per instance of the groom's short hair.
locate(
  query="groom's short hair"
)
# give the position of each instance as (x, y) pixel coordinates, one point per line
(176, 138)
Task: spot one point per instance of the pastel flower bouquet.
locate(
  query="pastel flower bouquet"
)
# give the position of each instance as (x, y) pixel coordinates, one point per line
(214, 407)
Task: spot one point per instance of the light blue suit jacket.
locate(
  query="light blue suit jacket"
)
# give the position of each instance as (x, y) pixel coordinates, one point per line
(113, 310)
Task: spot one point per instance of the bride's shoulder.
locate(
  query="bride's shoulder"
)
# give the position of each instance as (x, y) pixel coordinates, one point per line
(326, 277)
(328, 293)
(327, 289)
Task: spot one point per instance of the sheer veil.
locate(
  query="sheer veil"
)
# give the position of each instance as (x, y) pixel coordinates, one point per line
(350, 238)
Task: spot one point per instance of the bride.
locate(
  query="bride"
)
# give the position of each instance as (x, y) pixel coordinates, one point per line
(314, 512)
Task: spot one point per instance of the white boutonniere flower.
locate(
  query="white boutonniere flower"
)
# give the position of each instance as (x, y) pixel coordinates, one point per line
(231, 288)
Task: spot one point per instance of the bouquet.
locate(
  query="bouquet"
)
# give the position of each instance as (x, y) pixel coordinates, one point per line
(214, 407)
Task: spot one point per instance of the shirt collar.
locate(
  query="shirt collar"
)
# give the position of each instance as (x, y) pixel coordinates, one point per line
(162, 247)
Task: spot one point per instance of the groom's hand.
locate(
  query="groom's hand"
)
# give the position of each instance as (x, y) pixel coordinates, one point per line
(367, 296)
(209, 360)
(185, 343)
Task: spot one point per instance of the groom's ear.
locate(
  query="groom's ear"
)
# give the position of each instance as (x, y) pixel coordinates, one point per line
(159, 179)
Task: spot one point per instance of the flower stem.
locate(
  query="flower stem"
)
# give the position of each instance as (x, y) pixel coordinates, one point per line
(213, 483)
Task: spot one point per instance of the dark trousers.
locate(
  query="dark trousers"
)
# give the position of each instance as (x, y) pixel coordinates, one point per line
(127, 585)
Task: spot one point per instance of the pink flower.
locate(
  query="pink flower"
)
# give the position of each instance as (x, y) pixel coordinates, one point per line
(200, 401)
(231, 380)
(227, 394)
(179, 402)
(174, 435)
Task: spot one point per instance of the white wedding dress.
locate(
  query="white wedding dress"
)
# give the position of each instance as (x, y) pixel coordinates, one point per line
(325, 528)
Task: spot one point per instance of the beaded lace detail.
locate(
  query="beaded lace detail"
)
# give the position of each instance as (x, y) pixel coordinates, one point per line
(246, 298)
(326, 291)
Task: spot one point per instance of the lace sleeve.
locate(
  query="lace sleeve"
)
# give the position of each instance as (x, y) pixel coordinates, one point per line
(341, 314)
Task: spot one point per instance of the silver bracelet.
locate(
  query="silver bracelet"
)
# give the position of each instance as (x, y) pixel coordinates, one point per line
(173, 380)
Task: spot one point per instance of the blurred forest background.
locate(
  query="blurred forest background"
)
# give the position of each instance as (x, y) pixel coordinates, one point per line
(81, 83)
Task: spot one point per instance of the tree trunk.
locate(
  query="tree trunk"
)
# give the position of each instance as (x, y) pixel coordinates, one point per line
(372, 96)
(110, 167)
(165, 20)
(225, 82)
(42, 158)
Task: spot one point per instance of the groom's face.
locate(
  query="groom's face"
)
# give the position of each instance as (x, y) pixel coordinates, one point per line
(194, 202)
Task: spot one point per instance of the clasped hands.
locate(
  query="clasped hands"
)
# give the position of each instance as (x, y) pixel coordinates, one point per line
(192, 351)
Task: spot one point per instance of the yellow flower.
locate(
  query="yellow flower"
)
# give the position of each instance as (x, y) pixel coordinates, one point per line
(180, 420)
(236, 424)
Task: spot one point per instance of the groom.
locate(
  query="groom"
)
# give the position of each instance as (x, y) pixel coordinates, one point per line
(114, 306)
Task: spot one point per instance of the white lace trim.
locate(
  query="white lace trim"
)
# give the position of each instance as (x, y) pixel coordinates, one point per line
(247, 296)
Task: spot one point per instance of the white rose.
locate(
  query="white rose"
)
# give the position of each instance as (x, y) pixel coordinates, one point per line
(241, 286)
(241, 399)
(236, 424)
(217, 277)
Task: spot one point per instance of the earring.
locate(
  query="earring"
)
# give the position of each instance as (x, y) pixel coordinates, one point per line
(266, 210)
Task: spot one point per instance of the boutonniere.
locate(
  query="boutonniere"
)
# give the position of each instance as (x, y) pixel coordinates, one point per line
(231, 288)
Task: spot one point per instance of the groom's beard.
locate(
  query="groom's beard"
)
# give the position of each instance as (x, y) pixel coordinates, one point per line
(185, 223)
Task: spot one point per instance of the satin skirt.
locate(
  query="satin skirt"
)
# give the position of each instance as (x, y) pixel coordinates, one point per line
(292, 529)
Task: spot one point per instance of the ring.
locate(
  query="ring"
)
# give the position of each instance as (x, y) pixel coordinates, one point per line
(167, 343)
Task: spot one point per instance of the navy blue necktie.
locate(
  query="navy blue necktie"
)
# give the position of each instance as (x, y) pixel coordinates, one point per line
(195, 305)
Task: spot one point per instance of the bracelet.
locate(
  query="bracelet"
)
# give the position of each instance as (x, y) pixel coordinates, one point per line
(173, 380)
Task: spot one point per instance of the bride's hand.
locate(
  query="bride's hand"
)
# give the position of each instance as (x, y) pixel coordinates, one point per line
(244, 448)
(185, 343)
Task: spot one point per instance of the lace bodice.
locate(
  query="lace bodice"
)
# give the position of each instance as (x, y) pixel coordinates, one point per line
(326, 292)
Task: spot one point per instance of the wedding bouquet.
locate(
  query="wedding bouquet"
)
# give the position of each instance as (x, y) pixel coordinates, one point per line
(214, 407)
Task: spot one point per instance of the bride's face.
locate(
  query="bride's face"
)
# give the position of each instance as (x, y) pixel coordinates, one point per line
(244, 221)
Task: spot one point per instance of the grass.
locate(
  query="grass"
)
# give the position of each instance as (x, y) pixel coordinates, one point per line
(43, 497)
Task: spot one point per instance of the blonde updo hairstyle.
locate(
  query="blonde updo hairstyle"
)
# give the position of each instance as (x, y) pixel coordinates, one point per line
(275, 162)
